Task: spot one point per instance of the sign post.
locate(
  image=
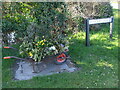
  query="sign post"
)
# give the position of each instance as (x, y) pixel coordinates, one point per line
(98, 21)
(111, 27)
(87, 33)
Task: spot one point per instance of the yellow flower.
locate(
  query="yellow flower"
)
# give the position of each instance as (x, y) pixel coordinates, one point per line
(40, 42)
(30, 54)
(43, 43)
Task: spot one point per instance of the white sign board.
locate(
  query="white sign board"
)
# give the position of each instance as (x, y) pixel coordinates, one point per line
(97, 21)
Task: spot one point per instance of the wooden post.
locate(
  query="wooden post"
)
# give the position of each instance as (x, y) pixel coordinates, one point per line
(111, 27)
(87, 33)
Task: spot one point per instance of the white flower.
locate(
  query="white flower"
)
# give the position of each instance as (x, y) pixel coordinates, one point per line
(52, 48)
(56, 51)
(66, 47)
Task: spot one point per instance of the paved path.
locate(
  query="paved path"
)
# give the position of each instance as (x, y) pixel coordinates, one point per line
(25, 69)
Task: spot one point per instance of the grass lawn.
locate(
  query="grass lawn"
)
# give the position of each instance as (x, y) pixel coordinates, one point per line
(99, 64)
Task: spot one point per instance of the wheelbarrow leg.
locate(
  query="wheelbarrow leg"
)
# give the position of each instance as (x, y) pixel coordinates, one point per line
(33, 65)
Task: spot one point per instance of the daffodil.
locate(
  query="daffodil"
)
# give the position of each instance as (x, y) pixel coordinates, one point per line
(43, 43)
(40, 42)
(30, 54)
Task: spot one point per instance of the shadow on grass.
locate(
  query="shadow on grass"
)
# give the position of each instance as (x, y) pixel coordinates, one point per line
(102, 52)
(98, 60)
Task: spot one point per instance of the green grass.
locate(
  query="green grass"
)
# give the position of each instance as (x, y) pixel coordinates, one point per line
(99, 64)
(0, 67)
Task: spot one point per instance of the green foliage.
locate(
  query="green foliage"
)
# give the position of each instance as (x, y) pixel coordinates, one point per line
(37, 47)
(81, 23)
(50, 16)
(16, 17)
(104, 10)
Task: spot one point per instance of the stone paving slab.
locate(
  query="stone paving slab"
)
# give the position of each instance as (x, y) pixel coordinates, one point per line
(25, 70)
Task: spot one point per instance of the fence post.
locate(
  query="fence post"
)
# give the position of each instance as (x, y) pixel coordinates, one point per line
(87, 33)
(111, 27)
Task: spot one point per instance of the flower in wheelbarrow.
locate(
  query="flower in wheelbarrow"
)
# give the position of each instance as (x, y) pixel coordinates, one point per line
(30, 54)
(40, 42)
(55, 52)
(66, 48)
(43, 43)
(61, 45)
(52, 48)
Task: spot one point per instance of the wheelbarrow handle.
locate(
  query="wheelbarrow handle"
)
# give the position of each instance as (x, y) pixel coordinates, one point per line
(9, 57)
(7, 47)
(6, 57)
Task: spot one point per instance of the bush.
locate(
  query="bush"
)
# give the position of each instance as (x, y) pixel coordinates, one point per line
(15, 18)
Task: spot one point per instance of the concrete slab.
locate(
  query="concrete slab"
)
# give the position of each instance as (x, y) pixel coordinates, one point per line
(25, 69)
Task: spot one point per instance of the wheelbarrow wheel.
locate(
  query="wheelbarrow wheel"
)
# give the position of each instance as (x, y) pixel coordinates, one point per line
(61, 59)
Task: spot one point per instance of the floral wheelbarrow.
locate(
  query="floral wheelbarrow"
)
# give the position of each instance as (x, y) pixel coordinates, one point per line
(60, 58)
